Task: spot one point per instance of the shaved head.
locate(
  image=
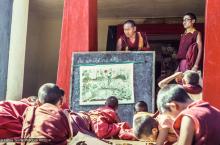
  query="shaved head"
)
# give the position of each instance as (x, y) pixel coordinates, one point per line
(112, 102)
(141, 106)
(50, 93)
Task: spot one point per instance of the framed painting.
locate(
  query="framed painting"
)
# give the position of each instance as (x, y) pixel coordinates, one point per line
(98, 82)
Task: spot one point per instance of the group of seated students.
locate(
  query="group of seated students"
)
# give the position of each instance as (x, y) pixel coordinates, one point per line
(182, 118)
(43, 121)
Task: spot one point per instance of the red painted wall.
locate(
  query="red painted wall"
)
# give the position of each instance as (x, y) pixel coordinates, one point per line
(79, 33)
(161, 28)
(211, 80)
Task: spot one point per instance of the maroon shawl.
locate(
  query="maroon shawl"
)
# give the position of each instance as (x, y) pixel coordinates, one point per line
(11, 118)
(48, 123)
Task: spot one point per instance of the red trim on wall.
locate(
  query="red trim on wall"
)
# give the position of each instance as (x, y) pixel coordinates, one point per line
(161, 28)
(79, 33)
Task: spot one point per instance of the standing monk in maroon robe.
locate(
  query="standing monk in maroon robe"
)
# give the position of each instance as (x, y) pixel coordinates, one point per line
(11, 113)
(190, 48)
(132, 40)
(105, 121)
(48, 123)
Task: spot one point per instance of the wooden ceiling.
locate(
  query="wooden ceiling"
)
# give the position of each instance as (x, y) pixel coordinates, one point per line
(126, 8)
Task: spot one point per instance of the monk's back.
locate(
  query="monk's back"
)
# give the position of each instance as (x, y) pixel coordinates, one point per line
(12, 108)
(209, 119)
(51, 123)
(11, 118)
(206, 119)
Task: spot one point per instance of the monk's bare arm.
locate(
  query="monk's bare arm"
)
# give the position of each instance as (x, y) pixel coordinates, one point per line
(167, 80)
(119, 45)
(148, 46)
(163, 133)
(187, 130)
(147, 43)
(199, 55)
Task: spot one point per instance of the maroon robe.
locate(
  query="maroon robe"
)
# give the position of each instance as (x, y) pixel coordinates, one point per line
(191, 56)
(134, 46)
(81, 123)
(105, 122)
(187, 52)
(11, 113)
(206, 119)
(192, 89)
(47, 123)
(127, 134)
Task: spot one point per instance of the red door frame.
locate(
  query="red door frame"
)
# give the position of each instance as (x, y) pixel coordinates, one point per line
(211, 75)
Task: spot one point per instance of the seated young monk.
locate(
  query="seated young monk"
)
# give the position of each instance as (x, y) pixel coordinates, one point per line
(11, 113)
(48, 122)
(141, 109)
(105, 122)
(195, 122)
(189, 80)
(145, 128)
(166, 134)
(140, 106)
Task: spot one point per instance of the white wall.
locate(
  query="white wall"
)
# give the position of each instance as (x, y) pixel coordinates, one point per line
(33, 57)
(43, 42)
(51, 34)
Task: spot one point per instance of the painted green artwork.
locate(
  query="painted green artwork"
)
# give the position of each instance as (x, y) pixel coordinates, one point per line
(98, 82)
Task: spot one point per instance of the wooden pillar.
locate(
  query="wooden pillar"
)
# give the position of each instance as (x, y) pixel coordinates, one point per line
(17, 50)
(211, 80)
(79, 34)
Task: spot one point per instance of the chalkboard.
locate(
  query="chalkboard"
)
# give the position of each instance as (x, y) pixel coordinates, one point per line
(143, 75)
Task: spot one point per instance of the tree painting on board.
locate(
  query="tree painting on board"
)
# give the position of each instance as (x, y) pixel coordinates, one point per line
(98, 82)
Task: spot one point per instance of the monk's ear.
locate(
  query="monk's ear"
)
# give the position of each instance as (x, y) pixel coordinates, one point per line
(193, 21)
(61, 100)
(184, 81)
(135, 28)
(155, 131)
(173, 106)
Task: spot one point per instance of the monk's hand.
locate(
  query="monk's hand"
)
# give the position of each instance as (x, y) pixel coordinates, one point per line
(178, 75)
(195, 68)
